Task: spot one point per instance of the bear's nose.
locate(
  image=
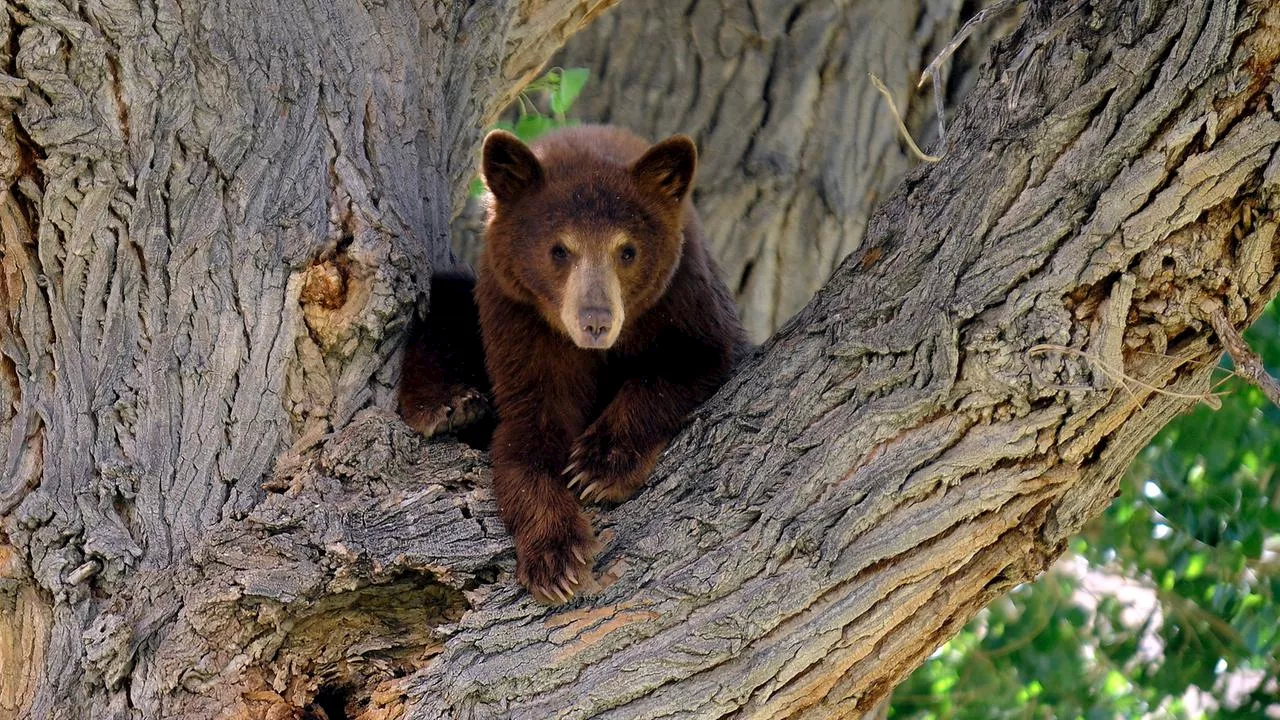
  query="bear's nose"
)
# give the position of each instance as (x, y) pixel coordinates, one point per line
(595, 321)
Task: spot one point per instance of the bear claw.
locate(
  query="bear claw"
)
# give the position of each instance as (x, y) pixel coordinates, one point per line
(556, 568)
(606, 465)
(558, 592)
(464, 407)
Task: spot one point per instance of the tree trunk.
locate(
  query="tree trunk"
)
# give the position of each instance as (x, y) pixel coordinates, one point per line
(216, 220)
(213, 236)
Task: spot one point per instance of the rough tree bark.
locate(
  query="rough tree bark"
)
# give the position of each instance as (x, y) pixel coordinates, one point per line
(211, 239)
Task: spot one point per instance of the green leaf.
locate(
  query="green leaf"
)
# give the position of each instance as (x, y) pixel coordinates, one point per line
(1195, 566)
(568, 89)
(530, 127)
(1115, 683)
(1252, 545)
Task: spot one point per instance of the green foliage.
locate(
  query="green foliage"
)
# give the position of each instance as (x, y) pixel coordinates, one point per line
(558, 89)
(1195, 533)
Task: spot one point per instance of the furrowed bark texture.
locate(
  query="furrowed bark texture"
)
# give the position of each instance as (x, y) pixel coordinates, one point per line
(214, 221)
(924, 435)
(797, 146)
(956, 402)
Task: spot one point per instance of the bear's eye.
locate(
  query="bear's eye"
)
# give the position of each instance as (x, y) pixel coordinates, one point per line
(628, 254)
(559, 253)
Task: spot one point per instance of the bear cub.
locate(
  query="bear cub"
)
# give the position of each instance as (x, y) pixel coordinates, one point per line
(604, 323)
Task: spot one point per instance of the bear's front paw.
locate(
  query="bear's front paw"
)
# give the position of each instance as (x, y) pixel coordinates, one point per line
(460, 408)
(556, 565)
(605, 467)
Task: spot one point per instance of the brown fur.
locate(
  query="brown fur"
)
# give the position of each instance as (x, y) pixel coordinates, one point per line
(591, 421)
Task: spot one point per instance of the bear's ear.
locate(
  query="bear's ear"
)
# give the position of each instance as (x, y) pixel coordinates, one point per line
(509, 166)
(666, 169)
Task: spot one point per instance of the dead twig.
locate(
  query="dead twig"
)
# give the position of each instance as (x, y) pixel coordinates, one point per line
(1248, 365)
(1118, 376)
(975, 22)
(902, 126)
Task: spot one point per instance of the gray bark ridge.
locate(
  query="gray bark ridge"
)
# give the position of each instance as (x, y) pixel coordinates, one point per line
(905, 449)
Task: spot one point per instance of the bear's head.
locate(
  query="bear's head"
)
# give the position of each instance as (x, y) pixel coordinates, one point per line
(588, 239)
